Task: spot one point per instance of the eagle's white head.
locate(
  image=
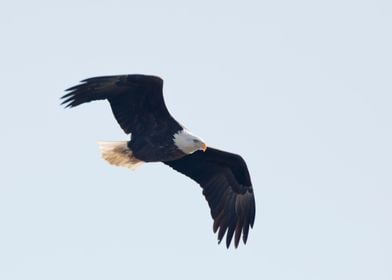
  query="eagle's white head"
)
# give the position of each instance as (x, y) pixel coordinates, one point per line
(188, 143)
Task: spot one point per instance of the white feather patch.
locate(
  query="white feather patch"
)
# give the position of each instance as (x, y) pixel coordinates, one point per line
(185, 141)
(117, 153)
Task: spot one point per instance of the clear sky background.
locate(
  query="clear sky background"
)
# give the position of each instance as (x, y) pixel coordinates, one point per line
(301, 89)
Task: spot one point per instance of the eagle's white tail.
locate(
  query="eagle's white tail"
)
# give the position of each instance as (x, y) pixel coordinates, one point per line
(117, 153)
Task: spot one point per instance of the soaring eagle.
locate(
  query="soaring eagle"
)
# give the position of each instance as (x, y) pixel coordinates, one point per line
(138, 106)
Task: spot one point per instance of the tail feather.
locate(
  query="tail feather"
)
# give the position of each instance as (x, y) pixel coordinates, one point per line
(117, 153)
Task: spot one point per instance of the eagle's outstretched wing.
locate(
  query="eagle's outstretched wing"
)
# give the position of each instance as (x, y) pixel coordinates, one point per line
(136, 100)
(227, 188)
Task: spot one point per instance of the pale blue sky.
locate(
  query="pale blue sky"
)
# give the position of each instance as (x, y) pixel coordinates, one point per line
(301, 89)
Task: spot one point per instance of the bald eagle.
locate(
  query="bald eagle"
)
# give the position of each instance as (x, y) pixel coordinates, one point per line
(155, 136)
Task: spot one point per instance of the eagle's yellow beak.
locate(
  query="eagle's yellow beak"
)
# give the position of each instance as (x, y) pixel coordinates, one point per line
(203, 147)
